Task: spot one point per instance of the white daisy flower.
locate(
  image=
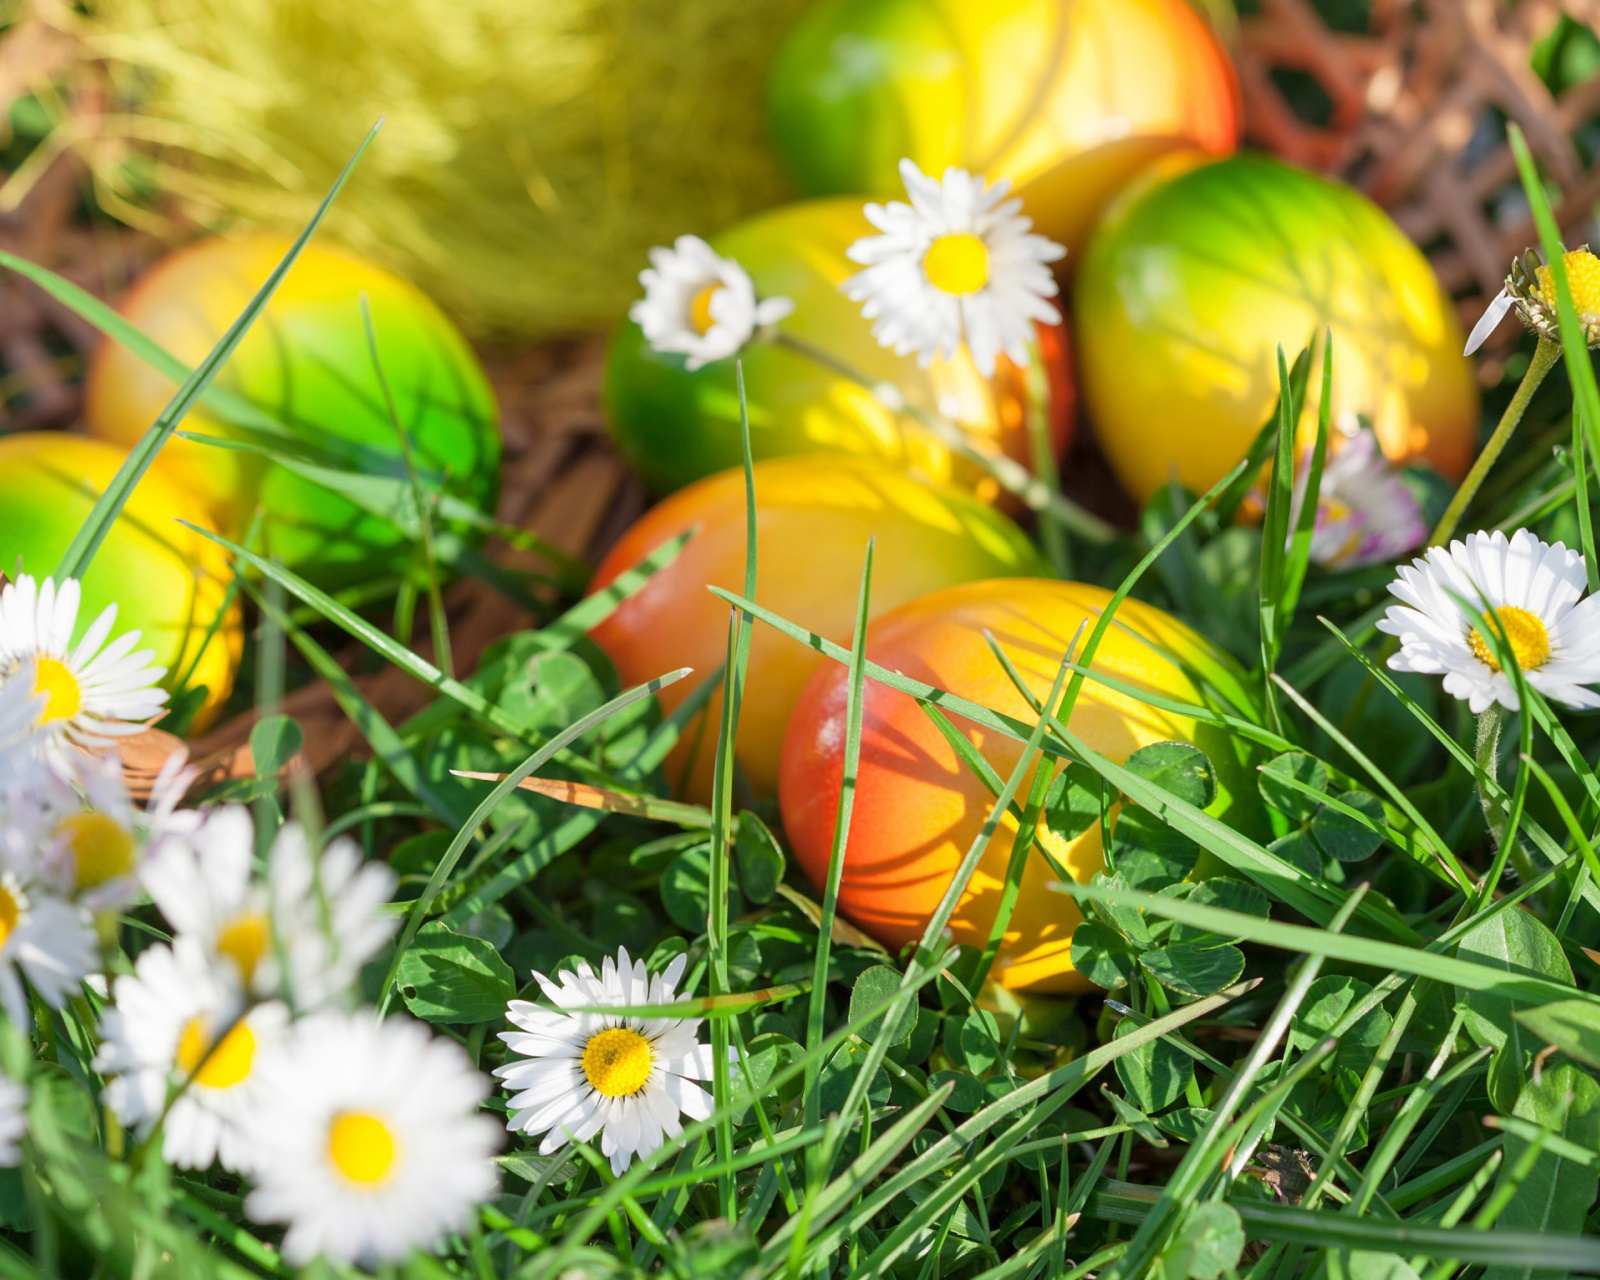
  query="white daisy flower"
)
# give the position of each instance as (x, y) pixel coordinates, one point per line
(179, 1025)
(22, 767)
(94, 692)
(1366, 513)
(85, 836)
(958, 263)
(1533, 588)
(48, 942)
(305, 931)
(625, 1078)
(13, 1121)
(368, 1140)
(699, 304)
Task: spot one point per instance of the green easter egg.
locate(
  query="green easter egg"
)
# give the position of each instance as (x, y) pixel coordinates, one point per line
(308, 363)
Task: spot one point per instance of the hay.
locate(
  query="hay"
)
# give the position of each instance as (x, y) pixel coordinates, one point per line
(532, 150)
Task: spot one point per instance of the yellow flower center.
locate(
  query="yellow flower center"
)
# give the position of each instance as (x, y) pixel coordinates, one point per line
(224, 1066)
(1530, 641)
(245, 941)
(102, 848)
(361, 1147)
(617, 1061)
(957, 263)
(700, 309)
(10, 913)
(1583, 278)
(63, 695)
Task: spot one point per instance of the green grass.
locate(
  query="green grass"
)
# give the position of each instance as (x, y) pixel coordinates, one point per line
(1363, 1048)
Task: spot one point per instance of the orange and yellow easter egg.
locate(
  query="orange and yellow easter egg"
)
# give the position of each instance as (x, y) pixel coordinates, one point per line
(1198, 274)
(307, 364)
(814, 518)
(918, 808)
(169, 583)
(1067, 98)
(676, 426)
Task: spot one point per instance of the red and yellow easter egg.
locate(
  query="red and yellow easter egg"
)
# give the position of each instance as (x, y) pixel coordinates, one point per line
(309, 367)
(1067, 98)
(169, 583)
(918, 808)
(677, 426)
(814, 518)
(1198, 274)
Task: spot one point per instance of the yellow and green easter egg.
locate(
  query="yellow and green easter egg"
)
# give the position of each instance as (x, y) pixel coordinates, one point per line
(1202, 269)
(308, 365)
(676, 426)
(1067, 98)
(169, 583)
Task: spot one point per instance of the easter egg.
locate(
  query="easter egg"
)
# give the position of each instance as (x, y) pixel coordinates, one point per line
(676, 426)
(307, 363)
(169, 583)
(814, 517)
(1198, 274)
(918, 808)
(1067, 98)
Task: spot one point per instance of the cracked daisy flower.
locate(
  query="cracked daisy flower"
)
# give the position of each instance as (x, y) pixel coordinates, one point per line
(960, 262)
(699, 304)
(177, 1023)
(1531, 289)
(305, 931)
(367, 1139)
(13, 1121)
(625, 1078)
(94, 691)
(45, 940)
(1365, 511)
(1532, 588)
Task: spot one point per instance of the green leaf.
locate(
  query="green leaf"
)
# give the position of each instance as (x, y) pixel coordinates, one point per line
(1072, 805)
(1209, 1241)
(686, 888)
(1326, 1002)
(274, 741)
(973, 1040)
(1148, 853)
(1303, 768)
(872, 987)
(1556, 1194)
(451, 977)
(1573, 1026)
(1143, 1127)
(1364, 1264)
(1345, 838)
(1103, 955)
(718, 1250)
(1194, 971)
(760, 860)
(1155, 1074)
(1515, 943)
(1299, 850)
(1178, 768)
(966, 1095)
(1230, 894)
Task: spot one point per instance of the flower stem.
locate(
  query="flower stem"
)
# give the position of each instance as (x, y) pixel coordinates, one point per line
(1544, 356)
(1039, 495)
(1487, 757)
